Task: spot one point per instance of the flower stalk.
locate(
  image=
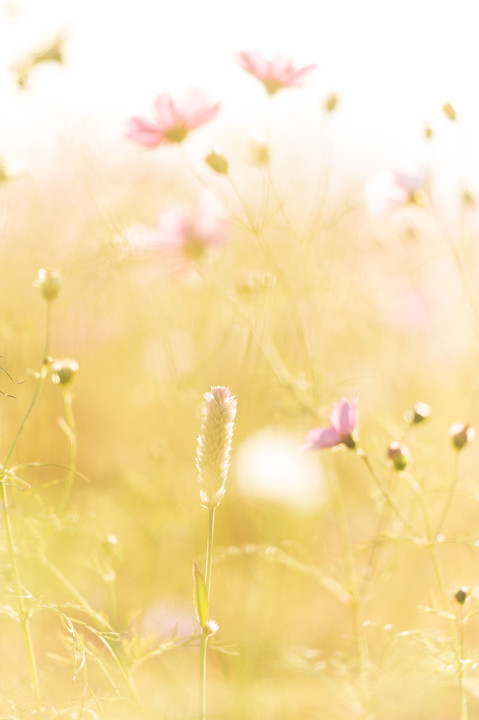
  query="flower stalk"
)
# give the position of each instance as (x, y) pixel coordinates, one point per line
(212, 462)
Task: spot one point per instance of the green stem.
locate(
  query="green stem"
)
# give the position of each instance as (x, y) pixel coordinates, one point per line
(19, 592)
(72, 438)
(204, 631)
(353, 589)
(22, 612)
(455, 623)
(40, 383)
(388, 498)
(102, 624)
(450, 495)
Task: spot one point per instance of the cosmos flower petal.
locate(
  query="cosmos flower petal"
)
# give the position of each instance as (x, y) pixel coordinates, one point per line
(173, 119)
(144, 133)
(320, 438)
(165, 112)
(275, 74)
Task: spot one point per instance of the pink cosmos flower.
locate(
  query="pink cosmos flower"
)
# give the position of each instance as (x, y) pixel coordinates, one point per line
(275, 74)
(397, 188)
(173, 119)
(342, 427)
(181, 233)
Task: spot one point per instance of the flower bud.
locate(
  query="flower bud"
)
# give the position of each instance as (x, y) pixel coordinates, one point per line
(399, 454)
(259, 153)
(217, 162)
(418, 414)
(49, 281)
(469, 199)
(461, 595)
(449, 112)
(214, 444)
(461, 435)
(331, 102)
(64, 371)
(428, 131)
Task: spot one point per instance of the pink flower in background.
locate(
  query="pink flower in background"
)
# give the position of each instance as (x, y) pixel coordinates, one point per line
(275, 74)
(181, 233)
(173, 120)
(397, 188)
(342, 427)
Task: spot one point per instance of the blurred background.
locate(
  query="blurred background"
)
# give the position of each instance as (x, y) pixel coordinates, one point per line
(310, 296)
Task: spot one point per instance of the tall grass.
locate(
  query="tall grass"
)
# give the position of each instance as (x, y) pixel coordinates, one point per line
(361, 602)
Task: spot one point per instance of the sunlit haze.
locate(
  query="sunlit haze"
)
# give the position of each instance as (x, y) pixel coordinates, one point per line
(394, 65)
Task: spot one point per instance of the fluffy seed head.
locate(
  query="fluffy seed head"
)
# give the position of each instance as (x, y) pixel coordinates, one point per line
(214, 444)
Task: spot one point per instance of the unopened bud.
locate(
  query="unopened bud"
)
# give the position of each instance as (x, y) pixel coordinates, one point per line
(49, 281)
(214, 444)
(449, 112)
(331, 102)
(259, 153)
(461, 595)
(469, 199)
(428, 131)
(418, 414)
(399, 454)
(217, 162)
(64, 371)
(461, 435)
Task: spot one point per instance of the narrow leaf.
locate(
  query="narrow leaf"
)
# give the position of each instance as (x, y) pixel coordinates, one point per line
(200, 597)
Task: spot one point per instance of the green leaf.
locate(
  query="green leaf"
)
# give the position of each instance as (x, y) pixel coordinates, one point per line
(200, 597)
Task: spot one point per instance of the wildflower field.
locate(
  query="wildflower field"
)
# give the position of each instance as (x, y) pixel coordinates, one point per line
(239, 393)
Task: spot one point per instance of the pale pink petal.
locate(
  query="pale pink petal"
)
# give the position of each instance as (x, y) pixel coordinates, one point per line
(253, 63)
(209, 221)
(344, 416)
(196, 109)
(280, 66)
(411, 180)
(340, 416)
(173, 226)
(277, 73)
(353, 413)
(296, 76)
(382, 194)
(320, 438)
(142, 132)
(165, 111)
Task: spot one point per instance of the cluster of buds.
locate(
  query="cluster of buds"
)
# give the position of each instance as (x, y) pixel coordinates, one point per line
(214, 444)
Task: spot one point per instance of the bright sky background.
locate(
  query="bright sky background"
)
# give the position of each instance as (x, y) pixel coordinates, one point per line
(393, 62)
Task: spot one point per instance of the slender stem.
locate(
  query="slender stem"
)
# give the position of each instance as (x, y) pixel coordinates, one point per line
(204, 631)
(102, 624)
(352, 587)
(389, 499)
(381, 522)
(457, 631)
(40, 383)
(19, 591)
(72, 438)
(450, 494)
(461, 621)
